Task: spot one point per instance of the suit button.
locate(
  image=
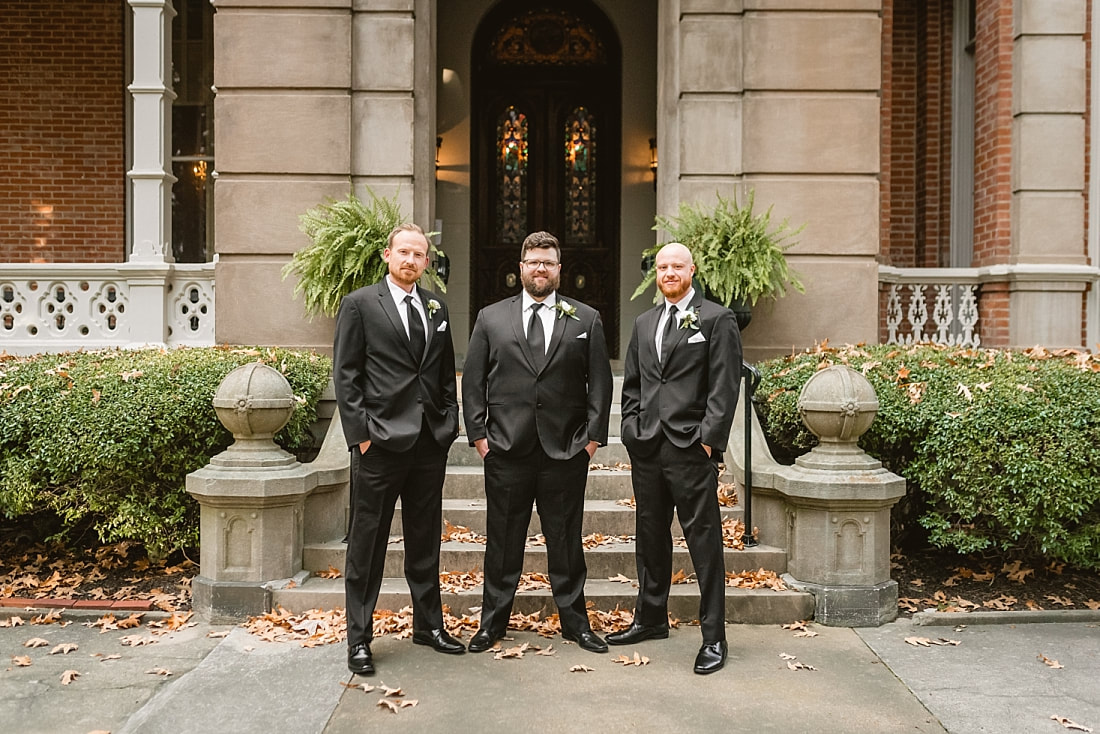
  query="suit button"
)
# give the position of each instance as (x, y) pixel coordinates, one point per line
(664, 381)
(538, 405)
(420, 400)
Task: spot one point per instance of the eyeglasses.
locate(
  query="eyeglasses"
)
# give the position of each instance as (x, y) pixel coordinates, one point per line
(536, 264)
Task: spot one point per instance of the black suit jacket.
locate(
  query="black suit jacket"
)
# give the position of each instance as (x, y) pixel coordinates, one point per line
(384, 394)
(690, 397)
(563, 406)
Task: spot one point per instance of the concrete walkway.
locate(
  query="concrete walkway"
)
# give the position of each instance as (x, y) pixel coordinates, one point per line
(867, 680)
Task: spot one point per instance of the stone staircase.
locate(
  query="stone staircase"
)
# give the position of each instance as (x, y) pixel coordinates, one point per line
(464, 505)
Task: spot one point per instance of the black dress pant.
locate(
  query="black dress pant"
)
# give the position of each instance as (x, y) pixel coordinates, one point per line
(557, 488)
(685, 480)
(379, 478)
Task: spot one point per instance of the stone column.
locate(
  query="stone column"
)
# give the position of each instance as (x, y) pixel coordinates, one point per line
(252, 498)
(150, 179)
(838, 502)
(1048, 173)
(392, 125)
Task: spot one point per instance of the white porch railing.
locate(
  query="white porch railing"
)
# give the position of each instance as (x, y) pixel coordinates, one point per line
(66, 306)
(931, 304)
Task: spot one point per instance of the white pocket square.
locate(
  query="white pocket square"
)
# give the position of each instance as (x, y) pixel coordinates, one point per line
(442, 327)
(583, 336)
(696, 338)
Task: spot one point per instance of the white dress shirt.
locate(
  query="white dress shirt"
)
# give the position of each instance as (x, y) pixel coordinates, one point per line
(681, 307)
(399, 294)
(546, 314)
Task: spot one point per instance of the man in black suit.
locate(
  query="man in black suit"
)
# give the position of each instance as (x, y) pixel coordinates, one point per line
(394, 371)
(680, 384)
(536, 392)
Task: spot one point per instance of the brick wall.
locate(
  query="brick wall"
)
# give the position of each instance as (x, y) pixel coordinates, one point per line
(62, 131)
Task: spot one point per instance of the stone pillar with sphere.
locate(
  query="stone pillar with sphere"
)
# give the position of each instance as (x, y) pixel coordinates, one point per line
(252, 498)
(837, 501)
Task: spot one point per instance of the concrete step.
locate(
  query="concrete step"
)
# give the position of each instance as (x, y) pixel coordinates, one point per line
(463, 454)
(468, 482)
(600, 516)
(743, 606)
(603, 561)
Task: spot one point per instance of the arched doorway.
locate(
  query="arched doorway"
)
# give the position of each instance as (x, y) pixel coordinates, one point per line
(545, 144)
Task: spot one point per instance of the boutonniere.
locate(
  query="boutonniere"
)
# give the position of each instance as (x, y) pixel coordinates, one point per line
(690, 319)
(564, 308)
(433, 306)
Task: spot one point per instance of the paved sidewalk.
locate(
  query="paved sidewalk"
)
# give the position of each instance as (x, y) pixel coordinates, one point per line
(866, 680)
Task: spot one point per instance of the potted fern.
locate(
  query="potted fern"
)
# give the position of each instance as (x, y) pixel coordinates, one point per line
(347, 240)
(739, 255)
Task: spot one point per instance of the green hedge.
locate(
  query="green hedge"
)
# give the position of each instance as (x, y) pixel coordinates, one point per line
(1001, 449)
(106, 438)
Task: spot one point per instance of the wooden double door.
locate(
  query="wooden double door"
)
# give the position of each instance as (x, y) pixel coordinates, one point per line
(546, 152)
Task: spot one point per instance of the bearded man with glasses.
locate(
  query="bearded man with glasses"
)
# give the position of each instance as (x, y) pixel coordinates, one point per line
(536, 391)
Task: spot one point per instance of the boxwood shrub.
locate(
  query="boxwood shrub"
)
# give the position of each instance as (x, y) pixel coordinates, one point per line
(1000, 449)
(106, 438)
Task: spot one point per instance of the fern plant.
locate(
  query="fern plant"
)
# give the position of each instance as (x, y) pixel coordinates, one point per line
(348, 238)
(738, 254)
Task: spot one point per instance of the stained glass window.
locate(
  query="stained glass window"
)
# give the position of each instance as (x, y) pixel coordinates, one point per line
(580, 176)
(511, 176)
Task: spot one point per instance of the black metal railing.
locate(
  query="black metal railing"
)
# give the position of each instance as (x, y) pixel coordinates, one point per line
(752, 380)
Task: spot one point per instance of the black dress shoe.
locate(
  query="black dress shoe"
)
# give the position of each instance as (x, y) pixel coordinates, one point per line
(638, 632)
(711, 657)
(360, 660)
(483, 639)
(587, 639)
(439, 640)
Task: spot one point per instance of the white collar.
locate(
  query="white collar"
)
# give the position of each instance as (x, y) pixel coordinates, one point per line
(398, 293)
(549, 301)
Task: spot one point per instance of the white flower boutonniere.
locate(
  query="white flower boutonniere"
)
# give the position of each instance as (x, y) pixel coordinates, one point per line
(690, 319)
(564, 308)
(433, 306)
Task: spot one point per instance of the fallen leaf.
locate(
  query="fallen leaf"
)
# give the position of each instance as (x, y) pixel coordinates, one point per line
(918, 641)
(159, 671)
(136, 640)
(216, 634)
(331, 573)
(1014, 572)
(577, 669)
(1093, 605)
(388, 703)
(1050, 663)
(1059, 600)
(68, 677)
(392, 692)
(806, 633)
(785, 656)
(637, 661)
(548, 651)
(64, 648)
(1070, 724)
(794, 626)
(21, 661)
(794, 665)
(112, 656)
(621, 579)
(36, 642)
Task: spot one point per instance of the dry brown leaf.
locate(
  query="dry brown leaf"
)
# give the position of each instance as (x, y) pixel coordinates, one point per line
(1069, 724)
(637, 661)
(1063, 601)
(331, 573)
(389, 703)
(1015, 572)
(1093, 605)
(53, 617)
(12, 622)
(217, 634)
(36, 642)
(69, 676)
(795, 665)
(1050, 663)
(159, 671)
(548, 651)
(21, 661)
(682, 578)
(64, 648)
(113, 656)
(581, 669)
(918, 641)
(806, 633)
(785, 656)
(512, 652)
(794, 626)
(136, 640)
(621, 579)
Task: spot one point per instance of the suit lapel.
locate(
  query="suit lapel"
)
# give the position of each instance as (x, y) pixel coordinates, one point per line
(679, 333)
(555, 339)
(647, 346)
(516, 309)
(390, 309)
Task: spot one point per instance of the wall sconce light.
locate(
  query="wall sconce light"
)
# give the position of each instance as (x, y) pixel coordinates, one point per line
(438, 145)
(653, 160)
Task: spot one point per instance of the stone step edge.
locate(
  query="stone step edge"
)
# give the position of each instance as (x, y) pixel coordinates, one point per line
(455, 545)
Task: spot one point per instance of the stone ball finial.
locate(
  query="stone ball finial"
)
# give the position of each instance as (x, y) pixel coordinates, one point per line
(254, 401)
(838, 404)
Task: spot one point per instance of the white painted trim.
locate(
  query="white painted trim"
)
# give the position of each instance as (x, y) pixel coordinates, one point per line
(1092, 309)
(992, 273)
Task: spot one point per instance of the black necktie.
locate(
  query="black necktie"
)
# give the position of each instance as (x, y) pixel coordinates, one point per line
(670, 329)
(416, 329)
(536, 338)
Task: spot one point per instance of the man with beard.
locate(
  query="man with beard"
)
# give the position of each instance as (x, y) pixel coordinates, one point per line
(536, 392)
(394, 372)
(680, 383)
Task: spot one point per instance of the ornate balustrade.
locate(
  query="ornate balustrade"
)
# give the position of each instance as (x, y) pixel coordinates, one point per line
(931, 304)
(66, 306)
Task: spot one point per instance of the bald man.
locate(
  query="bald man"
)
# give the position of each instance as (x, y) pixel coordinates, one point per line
(681, 377)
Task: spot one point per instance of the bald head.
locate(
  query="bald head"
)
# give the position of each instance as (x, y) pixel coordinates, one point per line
(674, 270)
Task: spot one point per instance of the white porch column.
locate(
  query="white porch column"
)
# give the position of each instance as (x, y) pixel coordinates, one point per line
(150, 178)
